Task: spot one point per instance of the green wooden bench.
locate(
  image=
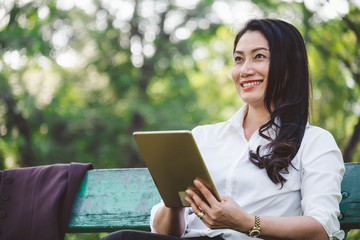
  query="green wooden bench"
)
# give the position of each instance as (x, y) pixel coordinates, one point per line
(110, 200)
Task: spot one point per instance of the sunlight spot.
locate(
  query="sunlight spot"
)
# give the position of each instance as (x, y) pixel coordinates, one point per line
(101, 20)
(22, 20)
(17, 88)
(86, 5)
(147, 8)
(236, 13)
(223, 11)
(125, 11)
(218, 45)
(216, 65)
(350, 82)
(22, 3)
(173, 20)
(356, 108)
(65, 4)
(161, 6)
(200, 53)
(69, 59)
(182, 33)
(136, 48)
(42, 85)
(3, 130)
(14, 60)
(43, 12)
(325, 10)
(10, 162)
(61, 37)
(191, 25)
(4, 18)
(189, 4)
(43, 62)
(124, 42)
(137, 61)
(150, 36)
(149, 50)
(96, 80)
(204, 24)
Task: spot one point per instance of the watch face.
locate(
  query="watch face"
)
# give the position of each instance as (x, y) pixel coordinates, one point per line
(254, 233)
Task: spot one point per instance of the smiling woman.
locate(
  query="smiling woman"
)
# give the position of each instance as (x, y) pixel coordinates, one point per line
(266, 159)
(284, 96)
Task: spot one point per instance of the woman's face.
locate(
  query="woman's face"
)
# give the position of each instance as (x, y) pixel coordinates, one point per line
(251, 67)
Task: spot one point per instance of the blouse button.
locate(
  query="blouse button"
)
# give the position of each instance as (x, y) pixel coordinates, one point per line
(2, 214)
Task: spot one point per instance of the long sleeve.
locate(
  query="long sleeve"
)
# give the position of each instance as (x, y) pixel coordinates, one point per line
(322, 170)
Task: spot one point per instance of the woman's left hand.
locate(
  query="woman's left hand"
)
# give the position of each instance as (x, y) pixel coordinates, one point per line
(219, 215)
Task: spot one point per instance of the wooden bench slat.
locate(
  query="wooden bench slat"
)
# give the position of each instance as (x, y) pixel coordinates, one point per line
(110, 200)
(350, 204)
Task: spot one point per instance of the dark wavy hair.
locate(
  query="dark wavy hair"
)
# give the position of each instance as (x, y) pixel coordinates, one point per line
(286, 97)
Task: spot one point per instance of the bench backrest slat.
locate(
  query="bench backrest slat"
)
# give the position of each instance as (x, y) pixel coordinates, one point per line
(350, 204)
(110, 200)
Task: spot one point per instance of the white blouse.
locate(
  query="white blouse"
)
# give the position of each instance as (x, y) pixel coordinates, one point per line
(313, 188)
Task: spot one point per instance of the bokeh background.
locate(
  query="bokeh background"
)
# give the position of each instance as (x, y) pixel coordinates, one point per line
(78, 77)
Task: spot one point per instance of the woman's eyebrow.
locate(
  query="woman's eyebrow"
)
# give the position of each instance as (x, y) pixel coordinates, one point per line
(254, 50)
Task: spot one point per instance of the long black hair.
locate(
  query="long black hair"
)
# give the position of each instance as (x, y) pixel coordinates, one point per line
(286, 97)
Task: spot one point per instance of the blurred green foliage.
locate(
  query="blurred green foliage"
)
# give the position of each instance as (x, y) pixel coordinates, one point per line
(78, 77)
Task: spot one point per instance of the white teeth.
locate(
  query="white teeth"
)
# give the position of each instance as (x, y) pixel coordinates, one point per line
(251, 83)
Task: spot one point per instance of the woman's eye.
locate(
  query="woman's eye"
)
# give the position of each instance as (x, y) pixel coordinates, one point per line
(259, 56)
(238, 59)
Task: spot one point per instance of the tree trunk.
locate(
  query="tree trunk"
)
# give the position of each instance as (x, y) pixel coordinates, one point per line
(352, 143)
(15, 119)
(138, 121)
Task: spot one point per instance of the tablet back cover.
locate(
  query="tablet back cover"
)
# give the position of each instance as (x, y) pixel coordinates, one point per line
(174, 161)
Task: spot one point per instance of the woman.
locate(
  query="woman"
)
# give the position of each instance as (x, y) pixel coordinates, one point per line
(279, 177)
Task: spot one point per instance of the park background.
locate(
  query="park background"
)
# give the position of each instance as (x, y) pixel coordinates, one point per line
(78, 77)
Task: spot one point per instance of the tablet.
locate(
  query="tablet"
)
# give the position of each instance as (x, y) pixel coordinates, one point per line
(174, 162)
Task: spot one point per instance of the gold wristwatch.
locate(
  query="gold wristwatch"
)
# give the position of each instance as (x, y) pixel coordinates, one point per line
(255, 231)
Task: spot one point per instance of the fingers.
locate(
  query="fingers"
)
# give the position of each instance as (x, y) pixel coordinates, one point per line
(210, 198)
(197, 210)
(196, 202)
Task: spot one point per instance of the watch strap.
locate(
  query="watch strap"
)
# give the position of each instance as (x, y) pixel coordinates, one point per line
(255, 231)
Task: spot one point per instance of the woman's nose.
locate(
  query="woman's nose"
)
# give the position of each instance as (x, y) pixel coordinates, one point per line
(247, 69)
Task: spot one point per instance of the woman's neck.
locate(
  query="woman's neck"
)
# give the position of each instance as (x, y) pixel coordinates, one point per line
(254, 119)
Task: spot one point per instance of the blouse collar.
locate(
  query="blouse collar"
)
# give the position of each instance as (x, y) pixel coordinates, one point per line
(237, 121)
